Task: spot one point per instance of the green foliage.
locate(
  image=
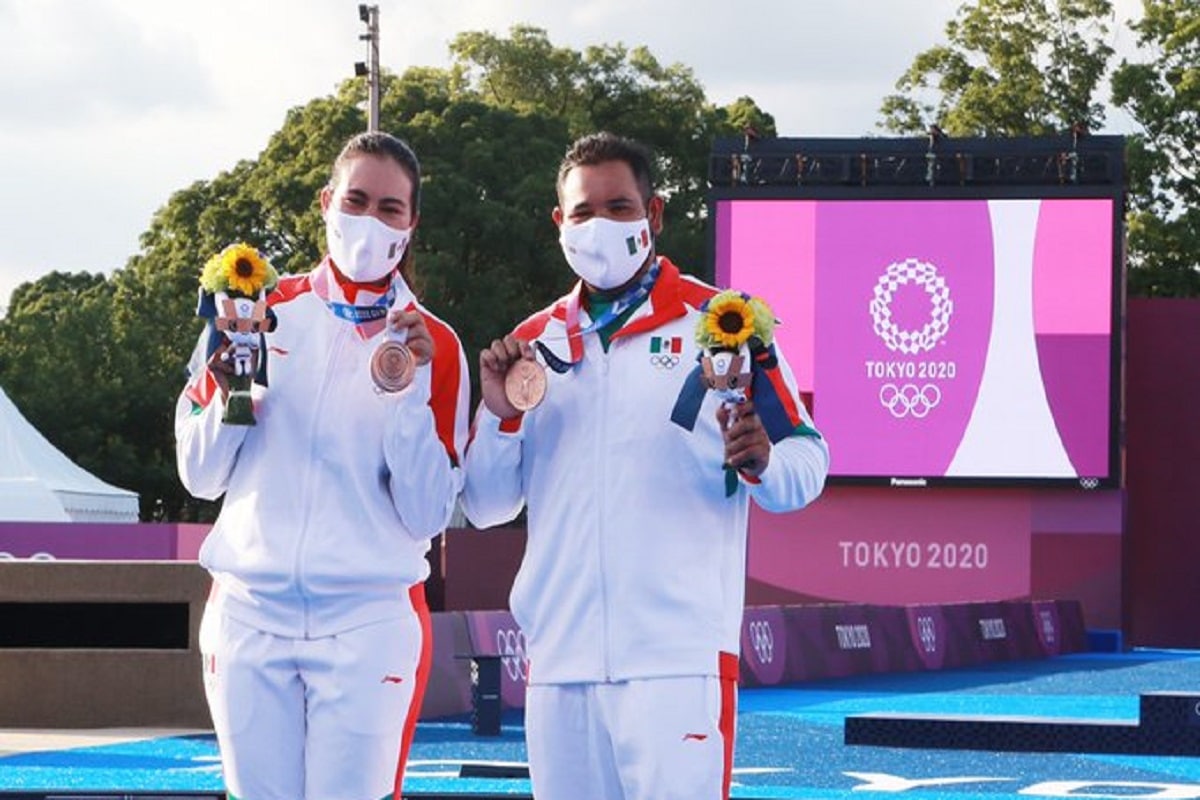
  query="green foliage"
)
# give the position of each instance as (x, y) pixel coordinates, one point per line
(615, 88)
(1008, 68)
(98, 364)
(524, 73)
(1162, 94)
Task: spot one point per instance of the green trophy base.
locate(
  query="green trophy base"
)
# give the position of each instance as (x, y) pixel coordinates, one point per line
(239, 408)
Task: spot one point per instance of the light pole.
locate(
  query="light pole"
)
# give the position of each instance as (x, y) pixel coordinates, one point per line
(370, 68)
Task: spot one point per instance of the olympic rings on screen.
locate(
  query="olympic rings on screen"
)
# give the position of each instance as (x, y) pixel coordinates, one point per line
(908, 399)
(924, 275)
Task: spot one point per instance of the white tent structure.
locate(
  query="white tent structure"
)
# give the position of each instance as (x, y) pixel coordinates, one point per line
(40, 484)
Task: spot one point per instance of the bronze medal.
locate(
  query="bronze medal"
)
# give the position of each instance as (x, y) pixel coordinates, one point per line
(525, 384)
(392, 366)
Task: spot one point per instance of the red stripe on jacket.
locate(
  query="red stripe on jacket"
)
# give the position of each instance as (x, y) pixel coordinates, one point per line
(445, 381)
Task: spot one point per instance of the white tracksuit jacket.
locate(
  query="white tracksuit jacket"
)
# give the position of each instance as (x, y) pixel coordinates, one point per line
(635, 561)
(332, 498)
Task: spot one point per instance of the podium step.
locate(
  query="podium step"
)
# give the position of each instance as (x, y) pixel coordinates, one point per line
(1169, 725)
(1169, 710)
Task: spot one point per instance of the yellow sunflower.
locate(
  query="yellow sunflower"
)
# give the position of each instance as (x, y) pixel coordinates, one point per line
(238, 268)
(245, 270)
(728, 321)
(730, 318)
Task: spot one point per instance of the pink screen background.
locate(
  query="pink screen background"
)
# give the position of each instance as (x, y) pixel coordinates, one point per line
(1029, 281)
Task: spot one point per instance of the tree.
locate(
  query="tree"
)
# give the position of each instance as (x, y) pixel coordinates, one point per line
(524, 73)
(1009, 68)
(623, 90)
(1162, 95)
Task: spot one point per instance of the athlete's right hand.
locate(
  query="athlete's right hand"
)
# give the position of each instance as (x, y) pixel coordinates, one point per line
(493, 367)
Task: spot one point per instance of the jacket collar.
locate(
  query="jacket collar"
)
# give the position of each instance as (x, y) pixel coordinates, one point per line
(664, 304)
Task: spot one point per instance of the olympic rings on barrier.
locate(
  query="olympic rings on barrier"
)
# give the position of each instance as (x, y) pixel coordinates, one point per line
(762, 639)
(510, 646)
(927, 633)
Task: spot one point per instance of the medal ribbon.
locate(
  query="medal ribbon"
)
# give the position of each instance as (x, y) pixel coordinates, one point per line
(627, 300)
(361, 314)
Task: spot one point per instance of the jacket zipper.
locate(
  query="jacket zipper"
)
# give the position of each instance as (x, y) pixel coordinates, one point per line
(308, 494)
(601, 539)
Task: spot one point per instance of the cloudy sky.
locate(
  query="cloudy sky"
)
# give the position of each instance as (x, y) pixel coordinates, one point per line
(107, 107)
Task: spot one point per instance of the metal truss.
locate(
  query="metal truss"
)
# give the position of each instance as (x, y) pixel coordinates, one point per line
(1073, 159)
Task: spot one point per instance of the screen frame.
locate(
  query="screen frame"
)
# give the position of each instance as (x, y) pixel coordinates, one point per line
(915, 179)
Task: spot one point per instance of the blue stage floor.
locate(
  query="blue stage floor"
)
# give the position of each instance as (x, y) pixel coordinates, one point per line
(790, 741)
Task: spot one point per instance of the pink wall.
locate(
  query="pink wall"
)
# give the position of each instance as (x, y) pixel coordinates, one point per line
(149, 541)
(1163, 435)
(857, 545)
(942, 545)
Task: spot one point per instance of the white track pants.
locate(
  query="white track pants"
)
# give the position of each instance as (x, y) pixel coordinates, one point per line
(323, 719)
(654, 739)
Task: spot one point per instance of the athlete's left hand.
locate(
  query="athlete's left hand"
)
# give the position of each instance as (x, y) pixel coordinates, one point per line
(417, 338)
(747, 446)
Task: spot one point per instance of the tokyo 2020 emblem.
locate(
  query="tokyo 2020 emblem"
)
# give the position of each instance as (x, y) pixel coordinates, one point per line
(924, 275)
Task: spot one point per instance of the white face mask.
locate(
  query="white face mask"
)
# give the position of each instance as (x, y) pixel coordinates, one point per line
(604, 253)
(362, 247)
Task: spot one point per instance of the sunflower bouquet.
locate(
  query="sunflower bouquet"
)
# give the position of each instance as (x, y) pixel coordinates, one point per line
(233, 297)
(732, 328)
(737, 360)
(238, 270)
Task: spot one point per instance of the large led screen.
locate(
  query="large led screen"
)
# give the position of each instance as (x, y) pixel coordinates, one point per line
(941, 340)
